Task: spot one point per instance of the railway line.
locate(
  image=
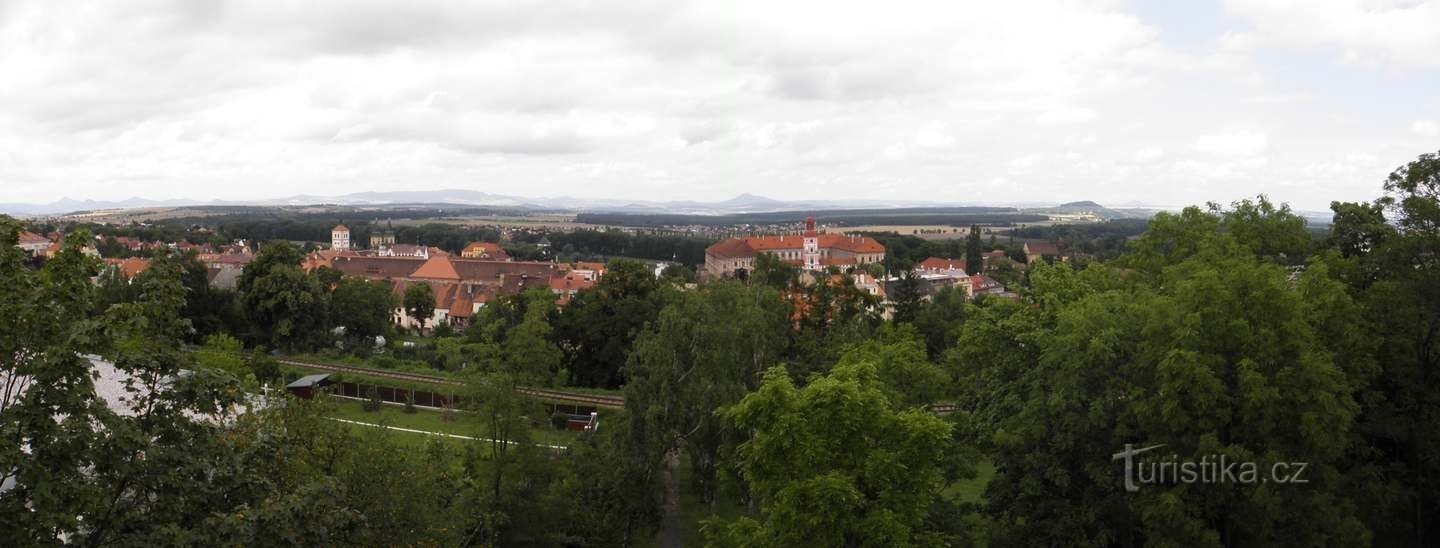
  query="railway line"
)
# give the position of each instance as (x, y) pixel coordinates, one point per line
(597, 400)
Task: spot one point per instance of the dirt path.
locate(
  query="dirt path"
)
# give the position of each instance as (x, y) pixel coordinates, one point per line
(669, 534)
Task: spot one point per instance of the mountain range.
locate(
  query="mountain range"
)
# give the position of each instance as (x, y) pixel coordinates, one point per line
(744, 203)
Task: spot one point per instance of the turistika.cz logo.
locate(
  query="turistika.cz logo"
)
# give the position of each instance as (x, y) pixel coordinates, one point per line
(1208, 469)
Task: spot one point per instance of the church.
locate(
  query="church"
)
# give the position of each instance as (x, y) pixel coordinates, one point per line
(810, 250)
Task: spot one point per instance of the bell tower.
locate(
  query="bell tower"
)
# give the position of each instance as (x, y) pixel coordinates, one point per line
(811, 253)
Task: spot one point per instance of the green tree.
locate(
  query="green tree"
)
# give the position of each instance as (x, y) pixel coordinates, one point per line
(222, 352)
(974, 252)
(940, 318)
(419, 302)
(906, 296)
(706, 350)
(529, 355)
(598, 326)
(286, 308)
(770, 270)
(835, 464)
(364, 307)
(1218, 354)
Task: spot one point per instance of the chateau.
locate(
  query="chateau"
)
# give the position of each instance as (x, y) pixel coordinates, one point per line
(810, 250)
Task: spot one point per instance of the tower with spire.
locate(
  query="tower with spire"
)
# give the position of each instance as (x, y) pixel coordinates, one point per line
(810, 253)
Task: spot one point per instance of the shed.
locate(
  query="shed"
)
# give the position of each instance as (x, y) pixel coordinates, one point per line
(305, 387)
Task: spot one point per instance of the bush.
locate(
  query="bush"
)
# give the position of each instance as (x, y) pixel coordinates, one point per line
(372, 400)
(559, 420)
(410, 402)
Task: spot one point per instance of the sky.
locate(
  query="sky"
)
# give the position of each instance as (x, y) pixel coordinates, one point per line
(1121, 102)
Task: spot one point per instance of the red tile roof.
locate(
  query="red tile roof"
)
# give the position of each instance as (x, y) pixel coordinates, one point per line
(485, 250)
(436, 268)
(31, 238)
(1041, 248)
(942, 263)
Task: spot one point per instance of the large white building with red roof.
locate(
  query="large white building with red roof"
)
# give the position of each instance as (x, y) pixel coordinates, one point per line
(810, 250)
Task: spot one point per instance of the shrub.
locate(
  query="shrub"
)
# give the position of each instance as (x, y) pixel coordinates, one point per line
(559, 420)
(410, 402)
(372, 400)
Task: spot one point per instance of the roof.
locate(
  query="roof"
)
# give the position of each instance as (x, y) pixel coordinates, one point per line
(491, 270)
(310, 381)
(569, 282)
(31, 238)
(437, 268)
(942, 263)
(340, 228)
(483, 249)
(1041, 248)
(376, 267)
(462, 307)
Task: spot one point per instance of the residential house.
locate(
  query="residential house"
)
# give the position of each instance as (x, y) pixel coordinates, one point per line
(1035, 251)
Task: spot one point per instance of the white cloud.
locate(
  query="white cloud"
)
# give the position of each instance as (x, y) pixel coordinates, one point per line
(1149, 154)
(1236, 143)
(1067, 116)
(933, 136)
(673, 99)
(1425, 128)
(1370, 31)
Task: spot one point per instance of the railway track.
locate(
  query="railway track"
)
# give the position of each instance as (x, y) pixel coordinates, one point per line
(597, 400)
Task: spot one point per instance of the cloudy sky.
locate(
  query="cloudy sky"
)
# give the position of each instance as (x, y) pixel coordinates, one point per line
(1160, 102)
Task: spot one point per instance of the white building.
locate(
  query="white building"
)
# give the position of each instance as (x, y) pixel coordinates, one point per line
(340, 238)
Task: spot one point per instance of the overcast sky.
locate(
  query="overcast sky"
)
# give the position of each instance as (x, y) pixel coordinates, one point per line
(1306, 101)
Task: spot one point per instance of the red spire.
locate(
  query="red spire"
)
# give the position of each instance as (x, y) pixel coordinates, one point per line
(809, 226)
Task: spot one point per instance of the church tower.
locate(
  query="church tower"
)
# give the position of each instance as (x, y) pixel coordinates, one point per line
(340, 238)
(811, 253)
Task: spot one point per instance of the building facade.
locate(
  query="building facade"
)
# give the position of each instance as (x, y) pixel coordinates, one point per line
(810, 249)
(340, 238)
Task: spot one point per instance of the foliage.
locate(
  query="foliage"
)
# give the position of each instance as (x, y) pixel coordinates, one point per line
(596, 328)
(834, 464)
(419, 302)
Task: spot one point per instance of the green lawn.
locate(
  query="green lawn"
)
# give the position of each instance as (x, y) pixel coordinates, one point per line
(973, 489)
(430, 421)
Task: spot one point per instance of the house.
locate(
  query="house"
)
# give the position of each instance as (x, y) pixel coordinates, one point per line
(1037, 250)
(223, 270)
(404, 250)
(811, 250)
(340, 238)
(384, 238)
(33, 243)
(981, 284)
(484, 250)
(128, 268)
(461, 286)
(942, 265)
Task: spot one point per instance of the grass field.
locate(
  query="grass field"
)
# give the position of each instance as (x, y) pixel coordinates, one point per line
(430, 421)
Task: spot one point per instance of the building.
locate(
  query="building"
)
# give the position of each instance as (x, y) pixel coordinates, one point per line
(484, 250)
(811, 250)
(340, 238)
(1035, 251)
(941, 265)
(384, 238)
(33, 243)
(937, 273)
(404, 250)
(461, 286)
(223, 270)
